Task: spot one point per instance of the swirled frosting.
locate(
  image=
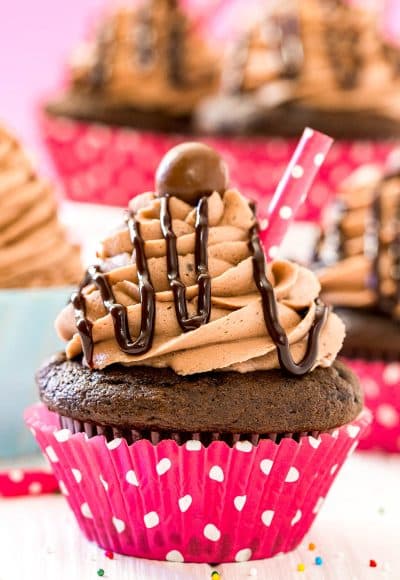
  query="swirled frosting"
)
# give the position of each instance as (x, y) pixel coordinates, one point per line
(34, 250)
(148, 57)
(361, 243)
(235, 338)
(320, 56)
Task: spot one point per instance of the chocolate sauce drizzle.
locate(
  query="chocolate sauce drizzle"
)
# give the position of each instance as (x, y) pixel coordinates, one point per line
(144, 38)
(119, 312)
(284, 29)
(178, 288)
(342, 42)
(271, 318)
(142, 344)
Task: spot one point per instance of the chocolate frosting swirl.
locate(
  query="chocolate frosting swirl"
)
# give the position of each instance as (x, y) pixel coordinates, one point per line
(323, 56)
(148, 57)
(235, 336)
(362, 244)
(34, 250)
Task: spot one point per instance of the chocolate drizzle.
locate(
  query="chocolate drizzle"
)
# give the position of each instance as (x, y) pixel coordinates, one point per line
(282, 35)
(119, 313)
(271, 318)
(188, 323)
(178, 288)
(144, 38)
(342, 40)
(175, 47)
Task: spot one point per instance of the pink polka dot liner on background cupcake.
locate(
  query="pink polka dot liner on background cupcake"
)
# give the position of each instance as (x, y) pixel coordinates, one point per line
(198, 413)
(360, 251)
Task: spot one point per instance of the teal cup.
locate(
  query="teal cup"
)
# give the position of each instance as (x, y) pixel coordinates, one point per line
(27, 338)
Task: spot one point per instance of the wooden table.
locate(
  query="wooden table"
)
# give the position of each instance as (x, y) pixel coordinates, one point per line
(360, 521)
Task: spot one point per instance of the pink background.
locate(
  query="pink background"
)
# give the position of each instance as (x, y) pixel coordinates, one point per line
(35, 39)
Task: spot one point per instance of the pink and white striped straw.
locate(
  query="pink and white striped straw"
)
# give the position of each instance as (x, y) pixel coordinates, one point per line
(293, 188)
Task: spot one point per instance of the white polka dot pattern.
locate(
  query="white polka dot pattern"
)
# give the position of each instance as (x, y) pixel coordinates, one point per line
(174, 556)
(185, 502)
(297, 172)
(387, 415)
(243, 555)
(212, 533)
(119, 525)
(163, 465)
(194, 503)
(380, 382)
(151, 519)
(216, 473)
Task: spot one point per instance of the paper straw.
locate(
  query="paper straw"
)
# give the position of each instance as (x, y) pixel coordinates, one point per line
(293, 188)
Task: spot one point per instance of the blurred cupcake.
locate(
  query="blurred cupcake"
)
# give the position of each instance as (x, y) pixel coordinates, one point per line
(193, 370)
(36, 264)
(146, 68)
(361, 252)
(322, 64)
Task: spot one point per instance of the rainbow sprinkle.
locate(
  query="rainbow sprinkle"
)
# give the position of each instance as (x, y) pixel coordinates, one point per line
(318, 561)
(215, 575)
(300, 567)
(100, 572)
(373, 564)
(311, 546)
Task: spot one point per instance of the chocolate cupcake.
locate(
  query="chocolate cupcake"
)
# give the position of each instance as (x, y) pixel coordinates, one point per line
(188, 355)
(145, 68)
(313, 63)
(360, 250)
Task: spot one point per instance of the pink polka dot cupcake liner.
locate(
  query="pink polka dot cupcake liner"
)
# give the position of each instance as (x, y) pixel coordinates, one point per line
(17, 482)
(110, 165)
(191, 503)
(380, 382)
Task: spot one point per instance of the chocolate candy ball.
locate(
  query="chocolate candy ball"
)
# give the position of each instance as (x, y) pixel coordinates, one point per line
(190, 171)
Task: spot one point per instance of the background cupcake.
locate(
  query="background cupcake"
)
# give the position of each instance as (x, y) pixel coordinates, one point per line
(313, 63)
(205, 402)
(36, 264)
(145, 69)
(272, 81)
(361, 251)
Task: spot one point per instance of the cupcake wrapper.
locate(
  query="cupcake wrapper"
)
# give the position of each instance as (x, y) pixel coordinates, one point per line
(27, 337)
(107, 165)
(189, 502)
(380, 382)
(133, 435)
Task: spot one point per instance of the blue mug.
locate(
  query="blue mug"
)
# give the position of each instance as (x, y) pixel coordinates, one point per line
(27, 338)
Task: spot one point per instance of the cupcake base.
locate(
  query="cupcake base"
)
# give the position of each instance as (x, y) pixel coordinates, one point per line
(190, 503)
(206, 438)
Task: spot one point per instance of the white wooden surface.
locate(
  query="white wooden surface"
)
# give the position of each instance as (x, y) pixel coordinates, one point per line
(39, 539)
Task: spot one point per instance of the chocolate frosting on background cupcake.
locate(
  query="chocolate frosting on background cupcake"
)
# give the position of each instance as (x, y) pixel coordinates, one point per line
(361, 250)
(142, 62)
(34, 249)
(311, 63)
(186, 275)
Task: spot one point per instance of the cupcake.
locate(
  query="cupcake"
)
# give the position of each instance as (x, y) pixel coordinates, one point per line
(37, 264)
(313, 63)
(361, 278)
(192, 371)
(145, 68)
